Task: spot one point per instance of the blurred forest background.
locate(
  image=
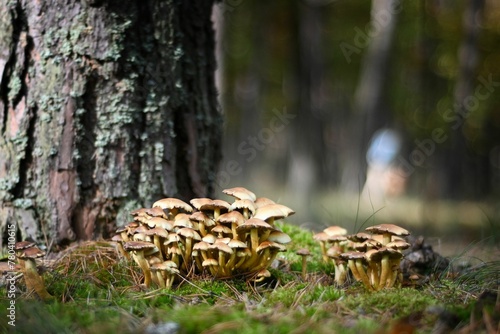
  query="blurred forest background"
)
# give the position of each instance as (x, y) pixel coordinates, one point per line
(304, 85)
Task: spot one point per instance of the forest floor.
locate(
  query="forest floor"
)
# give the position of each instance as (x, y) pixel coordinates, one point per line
(97, 292)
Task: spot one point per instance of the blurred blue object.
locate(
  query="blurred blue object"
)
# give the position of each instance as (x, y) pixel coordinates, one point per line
(384, 146)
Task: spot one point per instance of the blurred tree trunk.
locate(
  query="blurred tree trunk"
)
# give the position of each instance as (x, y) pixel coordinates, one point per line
(466, 172)
(307, 148)
(105, 106)
(370, 112)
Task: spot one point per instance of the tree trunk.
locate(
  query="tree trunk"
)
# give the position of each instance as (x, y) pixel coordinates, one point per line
(465, 172)
(370, 111)
(105, 106)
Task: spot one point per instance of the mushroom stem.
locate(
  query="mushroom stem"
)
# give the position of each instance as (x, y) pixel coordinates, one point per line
(373, 273)
(34, 281)
(304, 267)
(254, 241)
(138, 256)
(354, 269)
(384, 272)
(394, 274)
(340, 273)
(322, 245)
(156, 241)
(363, 275)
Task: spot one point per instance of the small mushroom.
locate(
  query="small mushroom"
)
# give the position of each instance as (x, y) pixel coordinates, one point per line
(387, 231)
(138, 249)
(304, 253)
(33, 280)
(240, 193)
(172, 206)
(355, 262)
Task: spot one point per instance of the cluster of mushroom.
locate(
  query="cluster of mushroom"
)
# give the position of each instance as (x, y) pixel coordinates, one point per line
(27, 253)
(372, 258)
(209, 236)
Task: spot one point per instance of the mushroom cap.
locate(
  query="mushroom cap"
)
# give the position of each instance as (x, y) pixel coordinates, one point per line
(243, 204)
(210, 262)
(157, 231)
(240, 193)
(334, 252)
(199, 216)
(352, 255)
(388, 228)
(187, 232)
(264, 273)
(393, 254)
(321, 236)
(163, 223)
(166, 265)
(373, 255)
(280, 237)
(156, 212)
(303, 252)
(231, 217)
(235, 243)
(398, 244)
(210, 238)
(221, 247)
(263, 201)
(23, 245)
(202, 246)
(182, 220)
(139, 212)
(172, 238)
(198, 203)
(172, 203)
(222, 229)
(359, 237)
(138, 245)
(204, 204)
(276, 211)
(335, 230)
(269, 244)
(30, 253)
(254, 223)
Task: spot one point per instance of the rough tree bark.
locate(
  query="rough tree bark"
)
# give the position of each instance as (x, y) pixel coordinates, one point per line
(105, 106)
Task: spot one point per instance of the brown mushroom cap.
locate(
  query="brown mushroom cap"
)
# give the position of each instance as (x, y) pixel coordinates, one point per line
(243, 204)
(321, 236)
(30, 253)
(231, 217)
(303, 252)
(138, 245)
(388, 228)
(263, 201)
(157, 231)
(359, 237)
(240, 193)
(172, 203)
(335, 230)
(398, 245)
(23, 245)
(271, 245)
(276, 211)
(280, 237)
(353, 255)
(254, 223)
(156, 212)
